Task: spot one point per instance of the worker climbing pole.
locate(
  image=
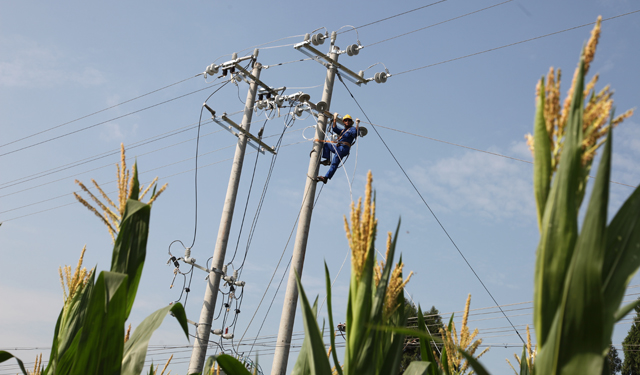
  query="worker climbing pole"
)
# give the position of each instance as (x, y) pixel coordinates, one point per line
(340, 147)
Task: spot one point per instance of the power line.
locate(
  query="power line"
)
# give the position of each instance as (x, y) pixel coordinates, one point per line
(428, 207)
(394, 16)
(439, 23)
(164, 177)
(95, 113)
(516, 43)
(472, 148)
(104, 122)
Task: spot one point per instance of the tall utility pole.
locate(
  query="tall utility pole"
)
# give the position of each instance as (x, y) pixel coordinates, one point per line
(203, 328)
(283, 343)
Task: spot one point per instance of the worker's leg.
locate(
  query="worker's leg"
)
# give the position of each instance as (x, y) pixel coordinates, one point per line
(327, 149)
(341, 153)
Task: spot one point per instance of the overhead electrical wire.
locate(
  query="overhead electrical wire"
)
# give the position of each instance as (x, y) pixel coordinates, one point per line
(473, 149)
(438, 23)
(430, 210)
(163, 177)
(513, 44)
(100, 111)
(394, 16)
(106, 121)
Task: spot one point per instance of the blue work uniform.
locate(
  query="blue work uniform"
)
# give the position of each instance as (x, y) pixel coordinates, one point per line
(340, 149)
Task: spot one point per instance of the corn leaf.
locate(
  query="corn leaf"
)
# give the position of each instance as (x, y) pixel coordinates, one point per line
(426, 351)
(101, 343)
(419, 368)
(559, 224)
(475, 365)
(208, 365)
(231, 366)
(319, 363)
(625, 310)
(542, 157)
(135, 350)
(5, 356)
(581, 349)
(623, 253)
(332, 331)
(358, 353)
(303, 364)
(131, 246)
(524, 364)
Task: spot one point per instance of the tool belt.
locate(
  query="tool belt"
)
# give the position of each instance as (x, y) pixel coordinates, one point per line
(338, 143)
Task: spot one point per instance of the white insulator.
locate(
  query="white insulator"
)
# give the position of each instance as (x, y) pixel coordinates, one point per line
(307, 37)
(317, 39)
(234, 56)
(298, 111)
(228, 336)
(322, 106)
(353, 50)
(239, 283)
(235, 274)
(187, 252)
(279, 100)
(380, 77)
(361, 73)
(217, 332)
(212, 69)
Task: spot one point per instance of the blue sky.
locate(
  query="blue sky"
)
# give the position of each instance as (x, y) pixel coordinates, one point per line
(63, 61)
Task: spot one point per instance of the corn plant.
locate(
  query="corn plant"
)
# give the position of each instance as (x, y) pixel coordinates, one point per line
(113, 213)
(580, 275)
(376, 299)
(89, 336)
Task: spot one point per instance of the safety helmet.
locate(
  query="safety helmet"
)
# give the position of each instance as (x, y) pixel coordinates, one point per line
(345, 117)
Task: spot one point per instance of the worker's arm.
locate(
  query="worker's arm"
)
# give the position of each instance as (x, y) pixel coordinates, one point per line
(335, 127)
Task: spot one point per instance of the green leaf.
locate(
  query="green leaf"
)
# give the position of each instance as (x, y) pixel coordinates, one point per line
(541, 157)
(559, 224)
(135, 350)
(524, 364)
(231, 366)
(475, 365)
(583, 291)
(425, 345)
(135, 183)
(358, 351)
(208, 365)
(5, 356)
(622, 258)
(303, 364)
(319, 363)
(130, 248)
(99, 349)
(419, 368)
(332, 330)
(625, 310)
(73, 318)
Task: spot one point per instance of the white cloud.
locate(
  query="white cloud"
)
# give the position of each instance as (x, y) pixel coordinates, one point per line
(25, 63)
(479, 184)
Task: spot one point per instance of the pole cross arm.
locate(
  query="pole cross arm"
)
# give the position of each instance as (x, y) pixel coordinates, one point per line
(249, 135)
(355, 77)
(256, 80)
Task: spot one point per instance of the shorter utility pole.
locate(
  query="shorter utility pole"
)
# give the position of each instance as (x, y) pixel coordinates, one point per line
(203, 328)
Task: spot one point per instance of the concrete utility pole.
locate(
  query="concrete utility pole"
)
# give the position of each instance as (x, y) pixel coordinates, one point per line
(206, 315)
(283, 343)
